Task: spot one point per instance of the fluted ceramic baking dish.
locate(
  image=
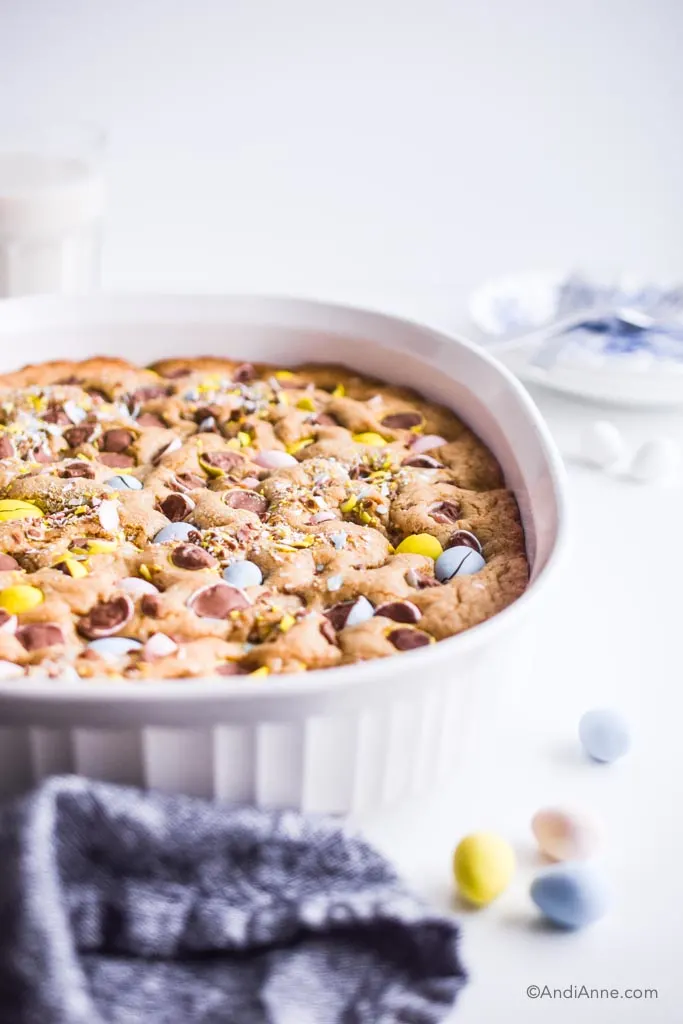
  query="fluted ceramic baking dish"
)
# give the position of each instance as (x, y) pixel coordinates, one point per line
(345, 739)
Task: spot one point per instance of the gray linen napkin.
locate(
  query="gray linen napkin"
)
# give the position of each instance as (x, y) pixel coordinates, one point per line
(123, 907)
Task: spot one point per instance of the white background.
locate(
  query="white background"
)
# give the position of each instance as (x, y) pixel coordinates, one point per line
(395, 154)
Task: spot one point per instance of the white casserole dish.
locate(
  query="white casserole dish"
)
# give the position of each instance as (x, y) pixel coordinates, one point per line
(341, 740)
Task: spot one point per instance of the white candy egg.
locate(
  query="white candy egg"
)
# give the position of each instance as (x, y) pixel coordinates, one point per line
(656, 460)
(602, 444)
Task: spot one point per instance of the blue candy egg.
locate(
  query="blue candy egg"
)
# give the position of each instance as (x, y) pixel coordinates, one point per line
(458, 561)
(570, 895)
(243, 574)
(124, 483)
(175, 531)
(111, 647)
(604, 735)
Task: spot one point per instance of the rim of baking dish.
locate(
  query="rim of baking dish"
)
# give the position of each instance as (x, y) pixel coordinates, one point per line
(347, 677)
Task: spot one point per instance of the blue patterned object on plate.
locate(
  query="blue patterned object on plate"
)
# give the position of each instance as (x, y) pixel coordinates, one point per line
(635, 327)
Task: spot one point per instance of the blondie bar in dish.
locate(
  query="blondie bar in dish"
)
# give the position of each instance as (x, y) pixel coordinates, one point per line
(204, 517)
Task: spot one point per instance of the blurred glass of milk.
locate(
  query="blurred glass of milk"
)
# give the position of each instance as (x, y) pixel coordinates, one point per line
(51, 207)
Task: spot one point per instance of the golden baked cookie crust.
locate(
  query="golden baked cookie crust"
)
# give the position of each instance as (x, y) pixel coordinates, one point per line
(310, 473)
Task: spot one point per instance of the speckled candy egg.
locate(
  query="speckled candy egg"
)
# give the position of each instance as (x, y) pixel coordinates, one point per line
(458, 561)
(564, 835)
(604, 735)
(243, 574)
(571, 895)
(483, 865)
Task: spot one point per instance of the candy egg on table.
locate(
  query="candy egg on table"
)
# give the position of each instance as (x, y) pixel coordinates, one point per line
(243, 574)
(604, 735)
(564, 835)
(602, 444)
(656, 460)
(420, 544)
(460, 560)
(571, 895)
(483, 865)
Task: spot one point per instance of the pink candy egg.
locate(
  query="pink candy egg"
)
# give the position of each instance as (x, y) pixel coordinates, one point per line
(323, 517)
(564, 835)
(159, 646)
(274, 459)
(426, 443)
(136, 587)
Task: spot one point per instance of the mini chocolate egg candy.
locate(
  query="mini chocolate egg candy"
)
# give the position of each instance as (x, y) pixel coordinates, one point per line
(136, 587)
(370, 438)
(602, 444)
(420, 544)
(21, 598)
(483, 865)
(113, 647)
(361, 611)
(426, 443)
(570, 895)
(464, 539)
(8, 623)
(458, 561)
(124, 482)
(11, 508)
(108, 515)
(274, 459)
(564, 835)
(243, 574)
(604, 735)
(175, 531)
(656, 460)
(159, 645)
(8, 670)
(72, 567)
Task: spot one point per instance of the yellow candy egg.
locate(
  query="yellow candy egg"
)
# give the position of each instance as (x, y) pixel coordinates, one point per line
(370, 438)
(72, 567)
(11, 508)
(420, 544)
(21, 598)
(483, 865)
(297, 446)
(102, 547)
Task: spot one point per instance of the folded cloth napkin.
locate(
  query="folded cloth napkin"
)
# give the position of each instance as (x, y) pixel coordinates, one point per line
(119, 907)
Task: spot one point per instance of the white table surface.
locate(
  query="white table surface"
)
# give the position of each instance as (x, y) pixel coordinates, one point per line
(395, 154)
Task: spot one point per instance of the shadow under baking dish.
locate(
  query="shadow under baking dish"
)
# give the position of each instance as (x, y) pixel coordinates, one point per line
(341, 739)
